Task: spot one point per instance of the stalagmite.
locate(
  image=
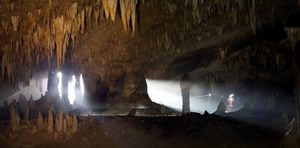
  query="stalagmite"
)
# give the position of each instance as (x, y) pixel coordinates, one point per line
(50, 122)
(15, 22)
(56, 123)
(40, 121)
(65, 126)
(18, 121)
(74, 123)
(24, 108)
(69, 120)
(60, 121)
(14, 117)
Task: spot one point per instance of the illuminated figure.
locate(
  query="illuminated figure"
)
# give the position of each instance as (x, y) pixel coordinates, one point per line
(230, 102)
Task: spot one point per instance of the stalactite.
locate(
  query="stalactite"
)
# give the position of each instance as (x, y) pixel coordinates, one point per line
(124, 6)
(46, 30)
(106, 8)
(112, 4)
(88, 14)
(172, 7)
(82, 17)
(15, 22)
(253, 17)
(50, 3)
(58, 28)
(3, 66)
(128, 12)
(96, 14)
(72, 11)
(133, 14)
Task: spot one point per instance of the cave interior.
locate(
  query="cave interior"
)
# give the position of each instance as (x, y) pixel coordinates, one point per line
(150, 73)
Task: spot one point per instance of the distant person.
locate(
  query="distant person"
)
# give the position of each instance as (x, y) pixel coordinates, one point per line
(185, 85)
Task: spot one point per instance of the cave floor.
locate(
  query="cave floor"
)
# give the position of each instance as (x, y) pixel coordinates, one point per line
(189, 131)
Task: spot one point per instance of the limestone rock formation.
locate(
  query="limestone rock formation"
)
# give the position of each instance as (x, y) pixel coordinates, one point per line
(65, 125)
(74, 123)
(23, 106)
(40, 121)
(69, 120)
(110, 8)
(50, 122)
(128, 12)
(14, 117)
(15, 22)
(60, 121)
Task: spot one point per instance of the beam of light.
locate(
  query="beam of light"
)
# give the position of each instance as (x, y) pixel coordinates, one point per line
(165, 92)
(71, 90)
(168, 93)
(59, 86)
(81, 85)
(71, 87)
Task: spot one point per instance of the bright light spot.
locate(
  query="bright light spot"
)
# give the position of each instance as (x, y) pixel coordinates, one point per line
(59, 75)
(167, 93)
(230, 102)
(81, 85)
(72, 92)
